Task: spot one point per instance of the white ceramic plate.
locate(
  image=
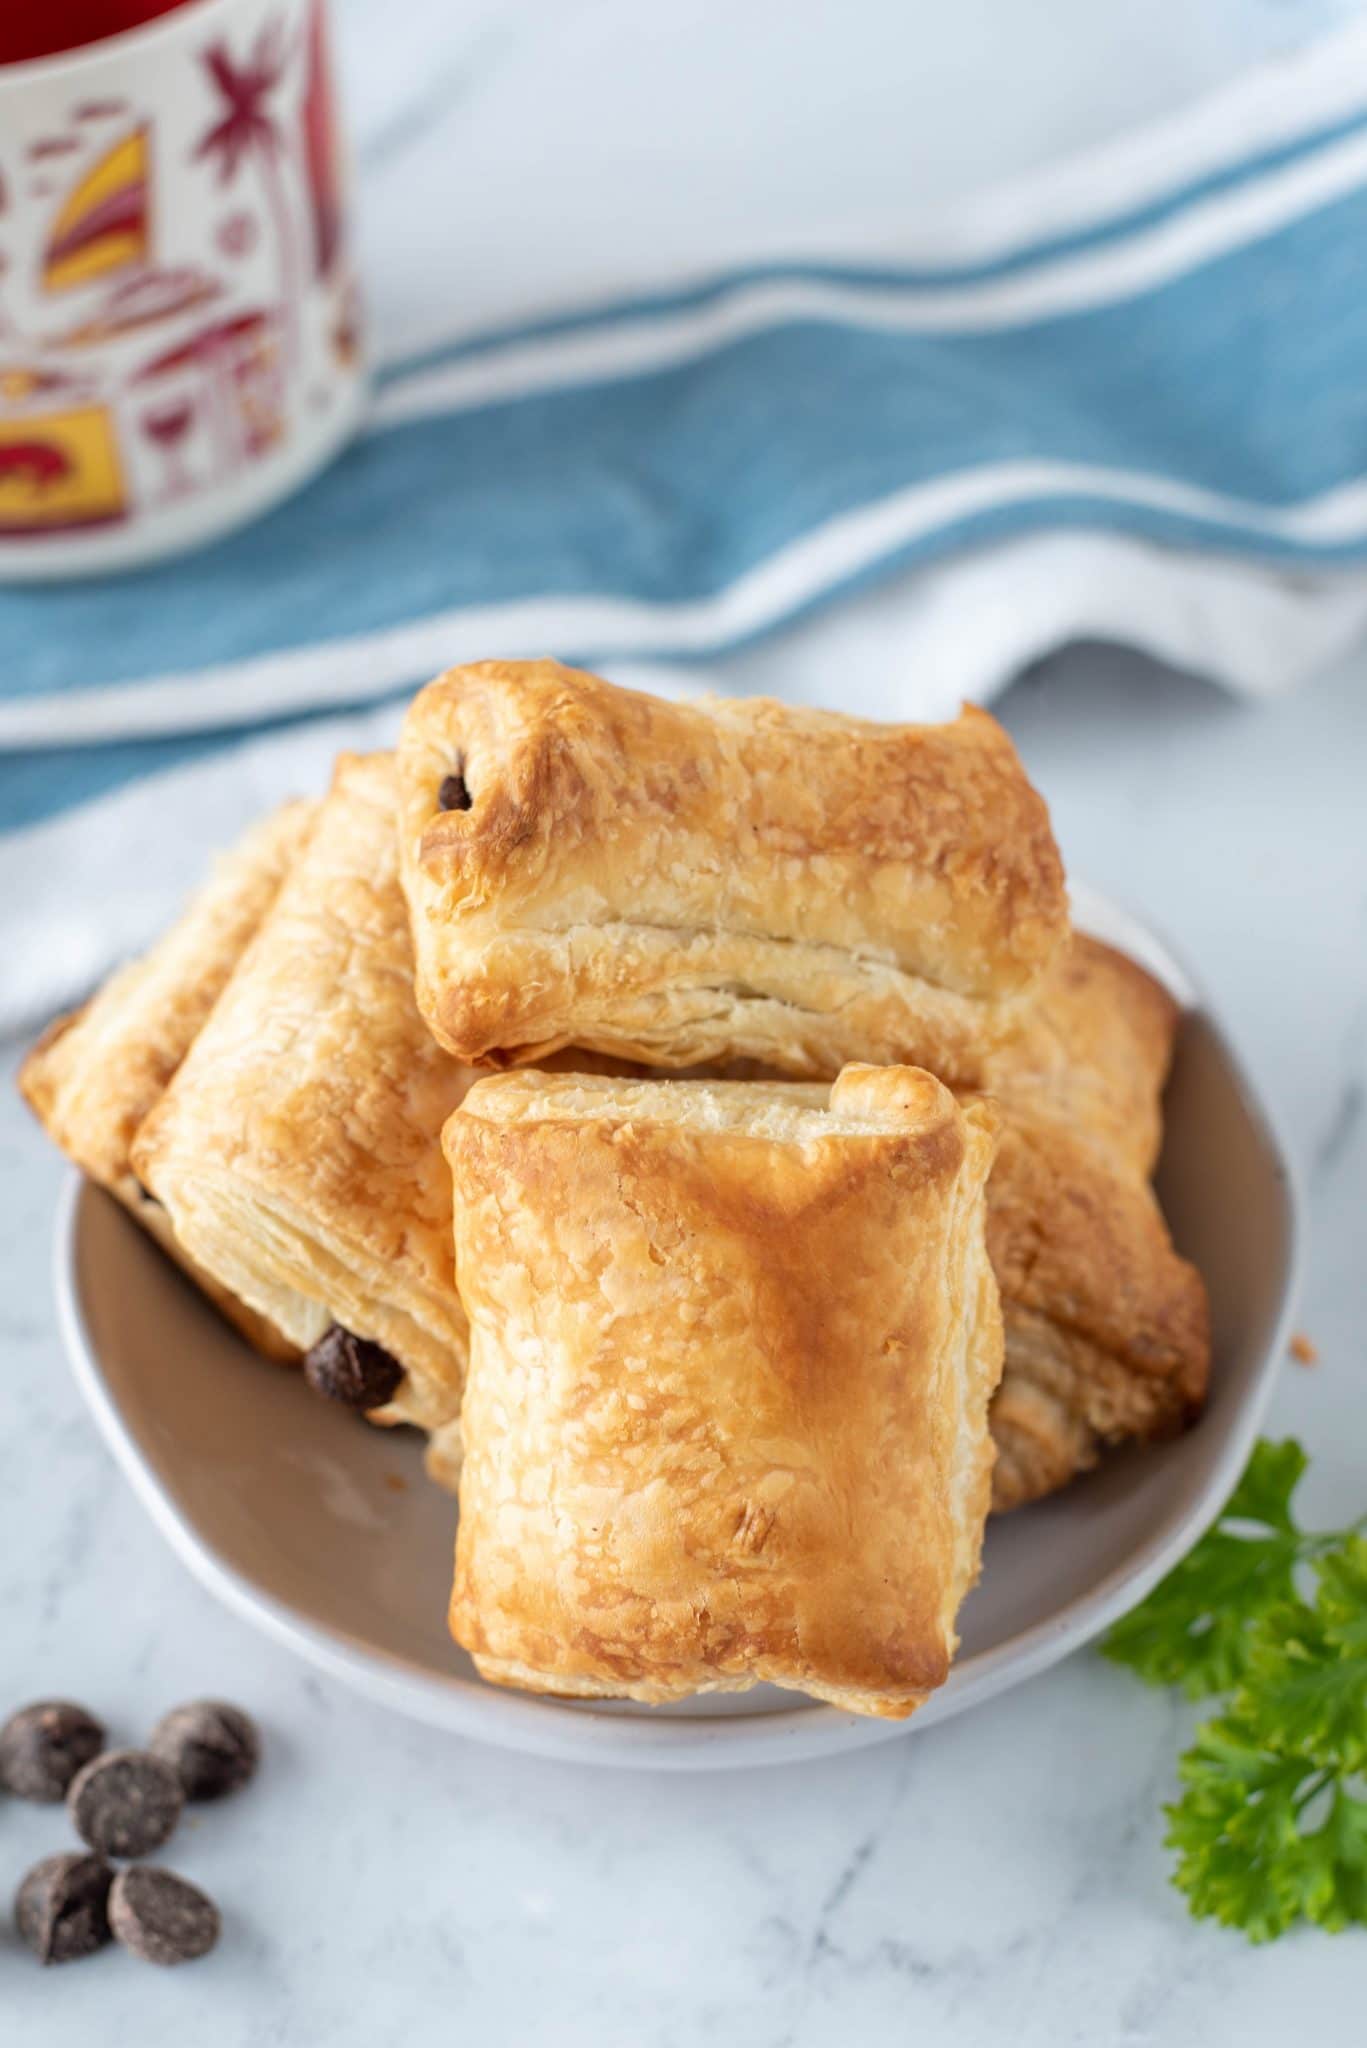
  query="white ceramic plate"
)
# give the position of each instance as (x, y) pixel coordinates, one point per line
(324, 1533)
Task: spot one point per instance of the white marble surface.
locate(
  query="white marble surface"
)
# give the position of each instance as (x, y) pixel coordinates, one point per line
(997, 1880)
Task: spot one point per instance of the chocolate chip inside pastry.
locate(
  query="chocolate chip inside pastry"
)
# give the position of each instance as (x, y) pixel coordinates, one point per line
(454, 794)
(350, 1369)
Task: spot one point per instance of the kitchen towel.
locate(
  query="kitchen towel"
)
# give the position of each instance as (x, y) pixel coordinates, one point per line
(1121, 399)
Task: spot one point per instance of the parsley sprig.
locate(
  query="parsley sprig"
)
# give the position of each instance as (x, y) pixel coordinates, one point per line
(1271, 1824)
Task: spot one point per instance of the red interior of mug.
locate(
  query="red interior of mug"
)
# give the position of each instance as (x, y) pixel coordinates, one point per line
(57, 25)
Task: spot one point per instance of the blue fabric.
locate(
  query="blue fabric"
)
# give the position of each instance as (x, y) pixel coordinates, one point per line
(1240, 375)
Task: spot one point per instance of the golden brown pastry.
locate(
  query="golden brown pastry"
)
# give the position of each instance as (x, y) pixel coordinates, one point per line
(297, 1151)
(681, 883)
(1091, 1050)
(1107, 1329)
(95, 1075)
(732, 1345)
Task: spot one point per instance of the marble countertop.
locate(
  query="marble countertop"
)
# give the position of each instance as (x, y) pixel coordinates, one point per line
(999, 1879)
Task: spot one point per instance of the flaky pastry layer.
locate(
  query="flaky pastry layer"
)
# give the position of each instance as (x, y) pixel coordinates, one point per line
(1091, 1050)
(1107, 1326)
(681, 883)
(297, 1150)
(732, 1346)
(95, 1076)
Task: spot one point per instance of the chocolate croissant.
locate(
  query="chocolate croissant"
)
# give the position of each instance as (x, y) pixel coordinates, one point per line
(1107, 1328)
(732, 1345)
(297, 1150)
(96, 1075)
(685, 883)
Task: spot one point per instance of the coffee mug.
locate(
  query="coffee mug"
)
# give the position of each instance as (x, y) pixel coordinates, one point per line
(179, 323)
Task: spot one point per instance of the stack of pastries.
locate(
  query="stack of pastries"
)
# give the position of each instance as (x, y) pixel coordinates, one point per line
(700, 1120)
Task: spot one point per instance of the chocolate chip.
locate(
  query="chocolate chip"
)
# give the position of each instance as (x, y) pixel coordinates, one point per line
(125, 1803)
(211, 1746)
(62, 1907)
(43, 1746)
(352, 1370)
(453, 794)
(158, 1916)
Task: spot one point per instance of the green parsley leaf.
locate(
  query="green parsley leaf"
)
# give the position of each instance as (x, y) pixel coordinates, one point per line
(1345, 1834)
(1265, 1839)
(1193, 1629)
(1271, 1825)
(1304, 1692)
(1271, 1476)
(1342, 1597)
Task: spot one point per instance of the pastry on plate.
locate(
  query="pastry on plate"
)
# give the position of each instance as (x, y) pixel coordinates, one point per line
(95, 1075)
(684, 883)
(1107, 1327)
(298, 1149)
(732, 1347)
(1092, 1050)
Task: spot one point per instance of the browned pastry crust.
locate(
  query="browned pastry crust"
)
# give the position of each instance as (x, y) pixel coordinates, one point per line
(1091, 1050)
(297, 1149)
(1107, 1327)
(94, 1076)
(732, 1345)
(682, 883)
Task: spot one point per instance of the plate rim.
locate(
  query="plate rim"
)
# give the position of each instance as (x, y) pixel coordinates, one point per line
(638, 1739)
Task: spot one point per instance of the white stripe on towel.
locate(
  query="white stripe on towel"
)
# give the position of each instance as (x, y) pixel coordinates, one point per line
(352, 671)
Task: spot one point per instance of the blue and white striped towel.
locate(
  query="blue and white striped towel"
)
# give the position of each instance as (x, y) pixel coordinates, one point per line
(1125, 400)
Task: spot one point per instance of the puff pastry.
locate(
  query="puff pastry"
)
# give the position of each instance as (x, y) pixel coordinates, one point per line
(1092, 1050)
(1107, 1328)
(683, 883)
(732, 1345)
(297, 1150)
(95, 1075)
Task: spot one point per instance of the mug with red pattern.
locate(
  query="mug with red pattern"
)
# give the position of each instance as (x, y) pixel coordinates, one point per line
(179, 326)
